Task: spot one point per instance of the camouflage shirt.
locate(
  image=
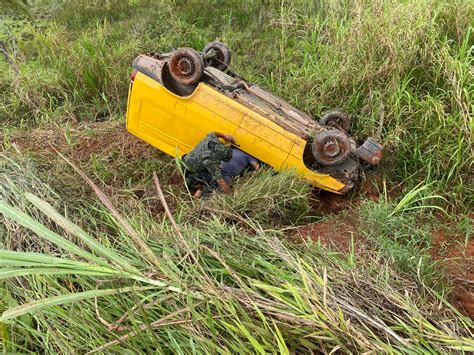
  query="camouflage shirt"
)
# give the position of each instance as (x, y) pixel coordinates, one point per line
(207, 156)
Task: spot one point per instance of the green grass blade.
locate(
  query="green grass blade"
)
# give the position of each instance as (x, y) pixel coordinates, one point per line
(20, 259)
(77, 231)
(63, 299)
(38, 258)
(463, 348)
(148, 254)
(45, 233)
(7, 273)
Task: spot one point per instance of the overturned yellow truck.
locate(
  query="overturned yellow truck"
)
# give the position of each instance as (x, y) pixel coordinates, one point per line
(175, 99)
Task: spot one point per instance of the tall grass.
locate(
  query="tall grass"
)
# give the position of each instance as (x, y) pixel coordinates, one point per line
(262, 197)
(246, 289)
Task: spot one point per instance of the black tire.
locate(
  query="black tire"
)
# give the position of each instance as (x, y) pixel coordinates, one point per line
(336, 118)
(222, 59)
(186, 66)
(331, 147)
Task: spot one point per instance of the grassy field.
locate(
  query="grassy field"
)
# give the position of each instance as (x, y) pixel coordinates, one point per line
(98, 256)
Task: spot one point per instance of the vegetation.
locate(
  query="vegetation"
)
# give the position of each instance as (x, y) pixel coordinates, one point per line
(95, 255)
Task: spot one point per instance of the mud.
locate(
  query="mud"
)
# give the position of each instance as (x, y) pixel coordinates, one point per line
(457, 257)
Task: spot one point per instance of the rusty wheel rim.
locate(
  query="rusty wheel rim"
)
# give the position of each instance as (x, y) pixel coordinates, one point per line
(331, 147)
(336, 122)
(221, 55)
(186, 66)
(217, 59)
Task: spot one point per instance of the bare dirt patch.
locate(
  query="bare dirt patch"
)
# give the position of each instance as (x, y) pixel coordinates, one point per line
(326, 203)
(453, 252)
(83, 141)
(371, 186)
(335, 235)
(457, 256)
(109, 141)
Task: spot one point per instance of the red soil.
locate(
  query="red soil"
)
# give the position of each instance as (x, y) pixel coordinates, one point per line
(327, 203)
(449, 250)
(98, 138)
(371, 187)
(458, 258)
(335, 235)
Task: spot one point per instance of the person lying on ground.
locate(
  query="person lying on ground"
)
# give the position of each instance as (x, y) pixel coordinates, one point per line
(202, 165)
(239, 162)
(233, 168)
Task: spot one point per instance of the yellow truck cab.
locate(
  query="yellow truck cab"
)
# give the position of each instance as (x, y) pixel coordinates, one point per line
(176, 99)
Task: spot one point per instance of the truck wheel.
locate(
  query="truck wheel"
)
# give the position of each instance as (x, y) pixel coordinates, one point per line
(221, 60)
(336, 118)
(331, 147)
(186, 66)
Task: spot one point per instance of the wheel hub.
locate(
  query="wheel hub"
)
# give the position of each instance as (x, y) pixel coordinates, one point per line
(185, 67)
(331, 148)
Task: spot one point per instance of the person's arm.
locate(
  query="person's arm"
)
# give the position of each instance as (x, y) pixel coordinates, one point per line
(226, 137)
(199, 192)
(255, 165)
(224, 186)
